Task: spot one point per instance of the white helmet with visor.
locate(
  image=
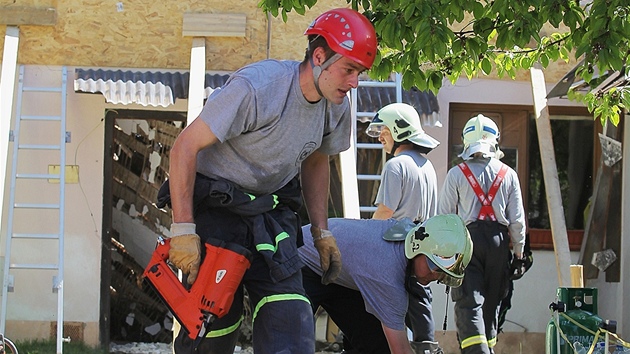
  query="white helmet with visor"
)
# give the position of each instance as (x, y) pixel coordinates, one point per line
(404, 123)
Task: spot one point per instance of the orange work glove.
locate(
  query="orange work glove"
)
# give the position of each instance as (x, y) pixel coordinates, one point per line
(329, 255)
(185, 251)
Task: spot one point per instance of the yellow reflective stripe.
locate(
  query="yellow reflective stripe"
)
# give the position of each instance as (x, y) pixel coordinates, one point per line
(474, 340)
(275, 201)
(492, 342)
(274, 298)
(268, 247)
(251, 196)
(224, 331)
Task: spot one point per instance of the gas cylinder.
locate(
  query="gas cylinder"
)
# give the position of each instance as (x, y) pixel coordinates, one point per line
(579, 306)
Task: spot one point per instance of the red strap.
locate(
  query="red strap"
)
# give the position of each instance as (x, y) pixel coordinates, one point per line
(485, 199)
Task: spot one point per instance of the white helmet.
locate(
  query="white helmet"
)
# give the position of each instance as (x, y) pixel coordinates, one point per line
(481, 134)
(443, 239)
(404, 123)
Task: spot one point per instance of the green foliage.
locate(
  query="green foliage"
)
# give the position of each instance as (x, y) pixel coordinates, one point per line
(416, 39)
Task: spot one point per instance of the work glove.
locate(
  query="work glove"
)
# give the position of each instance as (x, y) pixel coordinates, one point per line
(520, 265)
(329, 255)
(185, 250)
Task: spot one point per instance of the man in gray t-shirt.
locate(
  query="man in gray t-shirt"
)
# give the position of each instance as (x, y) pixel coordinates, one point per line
(408, 189)
(368, 301)
(272, 123)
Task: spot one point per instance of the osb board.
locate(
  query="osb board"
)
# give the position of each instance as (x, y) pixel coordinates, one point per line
(148, 34)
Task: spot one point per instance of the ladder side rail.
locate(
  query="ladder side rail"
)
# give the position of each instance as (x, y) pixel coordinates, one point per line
(397, 84)
(7, 250)
(62, 194)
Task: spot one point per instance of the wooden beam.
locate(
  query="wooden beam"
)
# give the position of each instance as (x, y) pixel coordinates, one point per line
(28, 15)
(214, 25)
(596, 221)
(7, 94)
(197, 78)
(550, 176)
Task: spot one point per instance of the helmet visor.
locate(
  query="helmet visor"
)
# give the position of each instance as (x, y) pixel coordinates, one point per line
(375, 128)
(451, 269)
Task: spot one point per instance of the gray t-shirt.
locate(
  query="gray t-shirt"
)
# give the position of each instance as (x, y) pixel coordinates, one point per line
(458, 197)
(370, 264)
(409, 186)
(266, 127)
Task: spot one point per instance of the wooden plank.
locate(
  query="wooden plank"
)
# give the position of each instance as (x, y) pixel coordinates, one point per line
(8, 73)
(214, 25)
(550, 176)
(197, 78)
(613, 228)
(28, 15)
(595, 230)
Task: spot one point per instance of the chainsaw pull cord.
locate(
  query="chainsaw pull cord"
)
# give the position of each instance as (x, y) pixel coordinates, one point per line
(447, 291)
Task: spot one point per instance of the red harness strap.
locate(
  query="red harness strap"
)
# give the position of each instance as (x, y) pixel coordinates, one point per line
(485, 199)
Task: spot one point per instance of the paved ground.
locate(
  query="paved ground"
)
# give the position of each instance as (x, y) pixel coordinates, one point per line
(162, 348)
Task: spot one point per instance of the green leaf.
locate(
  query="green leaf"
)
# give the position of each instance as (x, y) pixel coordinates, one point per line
(544, 60)
(409, 11)
(486, 66)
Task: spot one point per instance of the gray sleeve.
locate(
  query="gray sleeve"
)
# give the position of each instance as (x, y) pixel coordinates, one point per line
(230, 111)
(386, 302)
(516, 214)
(448, 198)
(390, 189)
(337, 131)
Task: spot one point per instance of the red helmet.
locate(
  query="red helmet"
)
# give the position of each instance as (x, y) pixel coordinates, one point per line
(348, 33)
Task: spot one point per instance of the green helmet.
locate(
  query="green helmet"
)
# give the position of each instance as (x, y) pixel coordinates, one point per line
(404, 123)
(445, 241)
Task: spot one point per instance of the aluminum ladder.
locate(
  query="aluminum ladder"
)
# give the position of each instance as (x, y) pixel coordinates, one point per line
(30, 168)
(347, 165)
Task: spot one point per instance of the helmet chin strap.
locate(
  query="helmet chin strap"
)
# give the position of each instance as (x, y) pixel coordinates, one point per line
(317, 70)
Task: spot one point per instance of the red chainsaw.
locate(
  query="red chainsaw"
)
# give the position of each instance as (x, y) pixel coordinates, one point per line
(211, 295)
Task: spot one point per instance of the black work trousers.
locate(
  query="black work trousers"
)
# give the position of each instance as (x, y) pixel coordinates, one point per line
(478, 299)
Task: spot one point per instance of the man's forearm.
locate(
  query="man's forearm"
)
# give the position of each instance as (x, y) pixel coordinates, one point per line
(315, 185)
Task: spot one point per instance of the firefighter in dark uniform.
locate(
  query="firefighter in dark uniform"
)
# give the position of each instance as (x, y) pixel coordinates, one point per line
(486, 193)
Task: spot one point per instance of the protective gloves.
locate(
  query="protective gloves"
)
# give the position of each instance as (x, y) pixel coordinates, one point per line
(520, 266)
(185, 251)
(329, 255)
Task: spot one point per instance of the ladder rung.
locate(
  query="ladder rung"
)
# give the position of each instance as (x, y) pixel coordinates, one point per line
(41, 89)
(39, 147)
(377, 83)
(33, 266)
(38, 176)
(369, 177)
(36, 206)
(369, 146)
(53, 118)
(37, 236)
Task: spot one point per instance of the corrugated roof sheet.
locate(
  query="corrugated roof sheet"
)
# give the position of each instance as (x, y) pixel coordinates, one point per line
(163, 88)
(371, 99)
(142, 87)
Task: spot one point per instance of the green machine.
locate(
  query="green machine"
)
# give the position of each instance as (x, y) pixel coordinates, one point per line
(576, 315)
